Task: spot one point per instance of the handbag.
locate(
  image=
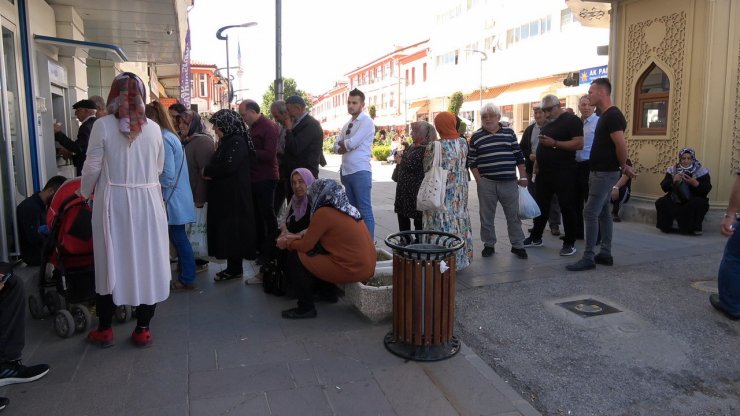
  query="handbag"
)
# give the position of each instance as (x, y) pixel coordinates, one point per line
(680, 192)
(431, 196)
(528, 207)
(197, 232)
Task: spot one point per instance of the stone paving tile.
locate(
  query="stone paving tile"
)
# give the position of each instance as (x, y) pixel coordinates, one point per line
(35, 399)
(156, 389)
(247, 352)
(304, 401)
(172, 410)
(91, 399)
(362, 397)
(303, 372)
(411, 392)
(371, 349)
(253, 404)
(237, 381)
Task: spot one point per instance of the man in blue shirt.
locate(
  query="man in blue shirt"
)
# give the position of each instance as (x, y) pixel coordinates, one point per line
(494, 158)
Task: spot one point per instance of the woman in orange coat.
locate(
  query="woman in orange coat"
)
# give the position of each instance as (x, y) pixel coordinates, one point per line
(335, 248)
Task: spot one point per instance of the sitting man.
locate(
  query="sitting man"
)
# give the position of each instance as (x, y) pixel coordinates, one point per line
(32, 227)
(13, 333)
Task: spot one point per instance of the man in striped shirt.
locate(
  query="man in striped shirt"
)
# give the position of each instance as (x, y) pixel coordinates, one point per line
(494, 158)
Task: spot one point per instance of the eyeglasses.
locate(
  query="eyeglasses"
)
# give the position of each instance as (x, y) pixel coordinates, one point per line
(349, 129)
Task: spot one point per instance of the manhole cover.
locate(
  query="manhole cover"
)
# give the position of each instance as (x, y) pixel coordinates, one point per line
(709, 286)
(588, 307)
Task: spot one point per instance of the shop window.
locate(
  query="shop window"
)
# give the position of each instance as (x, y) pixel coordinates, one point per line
(651, 102)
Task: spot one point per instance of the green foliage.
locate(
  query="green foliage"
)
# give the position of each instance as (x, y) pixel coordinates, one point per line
(328, 145)
(381, 152)
(456, 101)
(289, 88)
(463, 128)
(371, 111)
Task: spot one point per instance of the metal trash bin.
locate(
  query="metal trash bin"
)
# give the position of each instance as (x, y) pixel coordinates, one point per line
(423, 295)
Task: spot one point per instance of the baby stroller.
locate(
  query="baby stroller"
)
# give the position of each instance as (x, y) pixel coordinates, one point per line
(67, 272)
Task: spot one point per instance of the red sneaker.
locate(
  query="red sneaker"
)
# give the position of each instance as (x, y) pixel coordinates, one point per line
(103, 339)
(142, 337)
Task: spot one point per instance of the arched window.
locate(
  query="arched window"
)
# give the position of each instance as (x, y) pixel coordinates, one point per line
(651, 102)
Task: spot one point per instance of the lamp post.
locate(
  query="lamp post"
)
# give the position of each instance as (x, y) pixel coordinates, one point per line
(483, 57)
(221, 36)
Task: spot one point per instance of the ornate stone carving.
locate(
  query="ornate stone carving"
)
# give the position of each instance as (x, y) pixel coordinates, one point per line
(669, 51)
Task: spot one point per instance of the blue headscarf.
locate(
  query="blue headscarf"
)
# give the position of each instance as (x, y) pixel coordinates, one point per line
(695, 169)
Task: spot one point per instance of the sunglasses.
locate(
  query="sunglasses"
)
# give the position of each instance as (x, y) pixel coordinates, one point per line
(548, 109)
(349, 129)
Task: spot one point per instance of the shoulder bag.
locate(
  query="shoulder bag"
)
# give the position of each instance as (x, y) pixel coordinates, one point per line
(431, 196)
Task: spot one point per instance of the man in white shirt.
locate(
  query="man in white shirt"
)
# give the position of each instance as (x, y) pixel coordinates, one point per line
(354, 144)
(589, 118)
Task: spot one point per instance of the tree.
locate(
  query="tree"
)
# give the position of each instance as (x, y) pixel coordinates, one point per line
(289, 88)
(456, 101)
(371, 111)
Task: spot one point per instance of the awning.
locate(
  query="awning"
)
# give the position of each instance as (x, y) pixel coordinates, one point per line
(94, 50)
(418, 104)
(423, 109)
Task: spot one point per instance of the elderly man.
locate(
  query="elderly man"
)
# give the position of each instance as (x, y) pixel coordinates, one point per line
(608, 158)
(101, 109)
(555, 168)
(589, 119)
(77, 149)
(494, 158)
(304, 140)
(263, 171)
(354, 144)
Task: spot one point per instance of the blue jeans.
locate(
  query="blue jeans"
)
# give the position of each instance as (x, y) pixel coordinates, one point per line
(728, 279)
(597, 212)
(179, 239)
(359, 186)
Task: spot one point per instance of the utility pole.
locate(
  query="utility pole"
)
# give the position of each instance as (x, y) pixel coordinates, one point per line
(278, 51)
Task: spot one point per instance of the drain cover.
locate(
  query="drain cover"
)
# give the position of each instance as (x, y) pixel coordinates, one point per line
(588, 307)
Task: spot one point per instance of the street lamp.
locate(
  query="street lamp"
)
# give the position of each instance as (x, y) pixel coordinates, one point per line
(219, 35)
(483, 57)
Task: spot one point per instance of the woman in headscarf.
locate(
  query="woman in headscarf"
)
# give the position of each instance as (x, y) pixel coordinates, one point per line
(455, 219)
(177, 196)
(124, 160)
(230, 208)
(335, 248)
(409, 173)
(687, 184)
(199, 149)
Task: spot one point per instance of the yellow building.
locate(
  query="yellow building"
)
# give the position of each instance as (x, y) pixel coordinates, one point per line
(675, 70)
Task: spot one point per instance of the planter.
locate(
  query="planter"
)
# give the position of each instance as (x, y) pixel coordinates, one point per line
(374, 299)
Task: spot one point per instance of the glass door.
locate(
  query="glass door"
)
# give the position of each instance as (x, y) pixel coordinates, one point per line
(12, 154)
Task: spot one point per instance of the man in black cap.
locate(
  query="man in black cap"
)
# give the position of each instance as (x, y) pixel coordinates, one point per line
(13, 333)
(85, 112)
(304, 139)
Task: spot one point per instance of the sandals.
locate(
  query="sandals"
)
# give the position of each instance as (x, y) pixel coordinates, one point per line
(177, 285)
(224, 275)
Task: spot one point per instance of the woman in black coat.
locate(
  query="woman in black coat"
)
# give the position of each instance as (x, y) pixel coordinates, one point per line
(409, 173)
(687, 184)
(230, 209)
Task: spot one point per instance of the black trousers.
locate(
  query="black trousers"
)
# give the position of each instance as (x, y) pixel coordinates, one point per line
(280, 194)
(404, 223)
(105, 308)
(263, 194)
(12, 320)
(559, 182)
(581, 194)
(304, 282)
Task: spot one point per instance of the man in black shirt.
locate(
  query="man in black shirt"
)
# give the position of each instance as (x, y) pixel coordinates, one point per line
(607, 162)
(555, 167)
(31, 216)
(85, 111)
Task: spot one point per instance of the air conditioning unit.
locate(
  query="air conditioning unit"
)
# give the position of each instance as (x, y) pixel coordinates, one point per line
(571, 80)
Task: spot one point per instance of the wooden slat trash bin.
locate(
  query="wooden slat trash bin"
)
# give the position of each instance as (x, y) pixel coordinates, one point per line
(423, 295)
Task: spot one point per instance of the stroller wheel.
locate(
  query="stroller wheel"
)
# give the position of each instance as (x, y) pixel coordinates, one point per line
(123, 313)
(64, 323)
(54, 301)
(36, 307)
(82, 317)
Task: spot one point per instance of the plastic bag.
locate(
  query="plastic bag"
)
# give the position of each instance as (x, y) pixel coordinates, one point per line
(197, 232)
(527, 205)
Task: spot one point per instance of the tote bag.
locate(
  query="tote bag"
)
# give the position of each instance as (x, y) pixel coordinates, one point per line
(431, 196)
(197, 233)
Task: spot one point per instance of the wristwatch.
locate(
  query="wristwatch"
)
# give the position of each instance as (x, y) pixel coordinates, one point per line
(615, 187)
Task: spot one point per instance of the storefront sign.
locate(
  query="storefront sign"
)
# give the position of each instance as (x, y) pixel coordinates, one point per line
(185, 72)
(590, 74)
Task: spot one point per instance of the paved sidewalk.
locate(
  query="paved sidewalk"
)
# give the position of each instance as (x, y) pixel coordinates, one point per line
(224, 349)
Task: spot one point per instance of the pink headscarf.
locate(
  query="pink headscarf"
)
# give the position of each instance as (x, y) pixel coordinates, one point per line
(126, 101)
(301, 204)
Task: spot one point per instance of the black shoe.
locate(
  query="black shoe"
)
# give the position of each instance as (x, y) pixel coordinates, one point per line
(296, 313)
(714, 300)
(555, 231)
(227, 275)
(531, 242)
(488, 251)
(13, 372)
(603, 259)
(4, 403)
(520, 252)
(581, 265)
